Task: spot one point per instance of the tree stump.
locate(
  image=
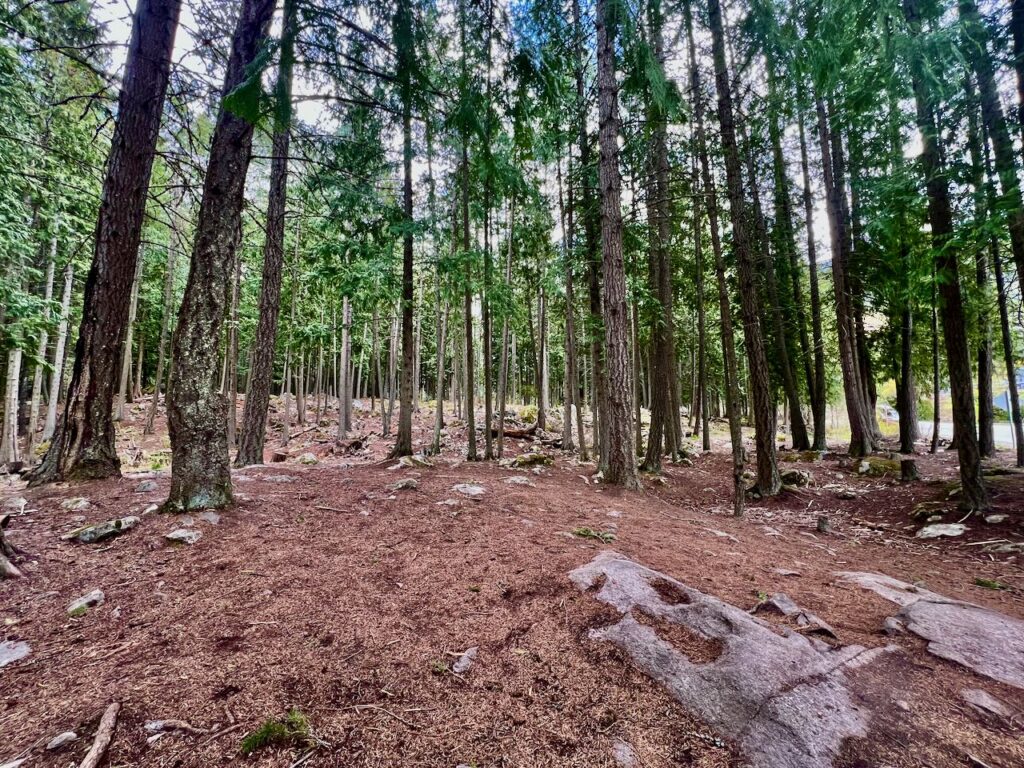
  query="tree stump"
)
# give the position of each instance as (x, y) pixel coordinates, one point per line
(908, 470)
(7, 551)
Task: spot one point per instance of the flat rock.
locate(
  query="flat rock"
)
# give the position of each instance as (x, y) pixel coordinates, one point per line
(60, 741)
(279, 478)
(519, 480)
(995, 519)
(936, 530)
(783, 605)
(146, 486)
(985, 703)
(16, 505)
(85, 602)
(12, 651)
(75, 504)
(209, 516)
(184, 535)
(986, 641)
(414, 461)
(786, 700)
(309, 459)
(408, 484)
(90, 534)
(469, 489)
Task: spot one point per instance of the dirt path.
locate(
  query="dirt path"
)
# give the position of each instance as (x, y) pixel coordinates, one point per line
(325, 591)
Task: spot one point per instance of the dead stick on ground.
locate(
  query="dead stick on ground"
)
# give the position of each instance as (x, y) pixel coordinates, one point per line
(104, 735)
(220, 733)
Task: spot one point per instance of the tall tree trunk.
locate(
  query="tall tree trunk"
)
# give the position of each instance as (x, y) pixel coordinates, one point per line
(707, 189)
(126, 351)
(817, 385)
(44, 337)
(57, 374)
(406, 63)
(231, 348)
(936, 391)
(200, 469)
(768, 481)
(83, 444)
(861, 434)
(9, 438)
(940, 216)
(619, 448)
(261, 366)
(344, 384)
(594, 324)
(503, 370)
(165, 320)
(976, 51)
(1008, 358)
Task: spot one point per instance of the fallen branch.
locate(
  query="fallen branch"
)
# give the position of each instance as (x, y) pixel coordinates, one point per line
(104, 735)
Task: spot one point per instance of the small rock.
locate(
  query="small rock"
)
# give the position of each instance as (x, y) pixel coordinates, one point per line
(893, 626)
(309, 459)
(532, 460)
(16, 505)
(985, 703)
(995, 519)
(414, 461)
(934, 519)
(146, 486)
(785, 572)
(13, 650)
(465, 661)
(184, 535)
(90, 534)
(519, 480)
(15, 763)
(796, 477)
(623, 754)
(824, 524)
(165, 726)
(75, 504)
(209, 516)
(57, 742)
(280, 478)
(846, 494)
(904, 705)
(408, 484)
(469, 489)
(151, 509)
(941, 529)
(85, 602)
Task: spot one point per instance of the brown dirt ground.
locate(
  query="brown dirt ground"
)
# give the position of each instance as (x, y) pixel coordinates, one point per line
(333, 595)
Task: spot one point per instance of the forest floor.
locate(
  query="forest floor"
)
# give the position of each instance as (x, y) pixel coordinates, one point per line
(326, 591)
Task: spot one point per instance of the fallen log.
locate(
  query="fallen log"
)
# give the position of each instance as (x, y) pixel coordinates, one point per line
(516, 434)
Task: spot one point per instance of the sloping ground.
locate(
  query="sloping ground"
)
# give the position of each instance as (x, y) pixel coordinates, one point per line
(334, 595)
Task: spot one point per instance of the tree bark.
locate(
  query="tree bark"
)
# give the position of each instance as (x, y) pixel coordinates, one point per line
(861, 435)
(940, 216)
(817, 385)
(768, 481)
(57, 375)
(406, 63)
(200, 470)
(83, 443)
(619, 449)
(44, 337)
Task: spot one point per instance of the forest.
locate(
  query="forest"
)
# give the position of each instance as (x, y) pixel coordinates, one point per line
(494, 383)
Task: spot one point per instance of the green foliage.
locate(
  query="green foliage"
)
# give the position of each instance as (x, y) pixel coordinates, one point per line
(585, 532)
(293, 730)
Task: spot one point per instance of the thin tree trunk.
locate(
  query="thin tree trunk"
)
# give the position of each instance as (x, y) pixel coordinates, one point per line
(768, 481)
(44, 337)
(861, 435)
(345, 391)
(817, 386)
(126, 351)
(732, 390)
(57, 375)
(200, 469)
(9, 438)
(406, 63)
(261, 366)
